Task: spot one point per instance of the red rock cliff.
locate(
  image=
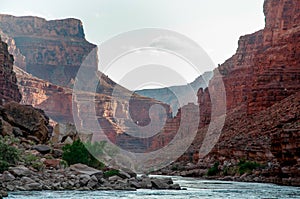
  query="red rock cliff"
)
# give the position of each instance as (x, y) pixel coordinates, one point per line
(262, 84)
(265, 68)
(54, 50)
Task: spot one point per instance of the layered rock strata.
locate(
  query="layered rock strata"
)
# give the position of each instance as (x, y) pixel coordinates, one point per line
(54, 50)
(8, 82)
(262, 84)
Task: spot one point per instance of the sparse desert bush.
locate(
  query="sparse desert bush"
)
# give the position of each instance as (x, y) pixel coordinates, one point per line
(9, 155)
(247, 166)
(213, 170)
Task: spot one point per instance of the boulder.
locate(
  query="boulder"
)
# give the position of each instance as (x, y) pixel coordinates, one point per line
(20, 171)
(114, 178)
(34, 186)
(6, 176)
(175, 186)
(123, 175)
(130, 172)
(167, 180)
(146, 183)
(3, 194)
(135, 185)
(31, 120)
(159, 184)
(64, 133)
(27, 180)
(84, 169)
(5, 127)
(93, 182)
(84, 179)
(43, 149)
(57, 153)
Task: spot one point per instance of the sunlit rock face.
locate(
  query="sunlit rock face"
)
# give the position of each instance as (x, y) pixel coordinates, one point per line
(54, 50)
(265, 68)
(262, 84)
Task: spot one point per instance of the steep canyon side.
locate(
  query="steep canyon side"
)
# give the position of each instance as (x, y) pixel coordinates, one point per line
(262, 85)
(50, 54)
(8, 81)
(54, 50)
(17, 119)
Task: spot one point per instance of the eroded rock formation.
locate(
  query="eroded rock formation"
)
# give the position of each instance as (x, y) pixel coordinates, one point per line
(8, 82)
(17, 119)
(54, 50)
(262, 84)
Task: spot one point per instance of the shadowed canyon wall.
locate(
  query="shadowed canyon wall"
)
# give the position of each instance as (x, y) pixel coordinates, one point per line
(8, 82)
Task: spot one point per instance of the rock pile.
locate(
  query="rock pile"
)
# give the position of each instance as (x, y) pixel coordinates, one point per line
(78, 177)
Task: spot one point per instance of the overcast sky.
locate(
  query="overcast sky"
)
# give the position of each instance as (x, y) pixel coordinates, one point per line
(215, 25)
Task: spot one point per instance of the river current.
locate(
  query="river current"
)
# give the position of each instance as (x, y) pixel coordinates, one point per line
(204, 189)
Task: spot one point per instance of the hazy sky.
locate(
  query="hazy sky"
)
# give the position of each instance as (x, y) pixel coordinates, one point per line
(214, 24)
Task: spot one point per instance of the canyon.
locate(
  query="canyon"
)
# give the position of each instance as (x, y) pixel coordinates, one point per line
(46, 78)
(261, 84)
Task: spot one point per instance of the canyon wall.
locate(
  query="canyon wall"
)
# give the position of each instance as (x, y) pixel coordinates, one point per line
(54, 50)
(265, 68)
(60, 104)
(8, 82)
(16, 119)
(262, 84)
(19, 59)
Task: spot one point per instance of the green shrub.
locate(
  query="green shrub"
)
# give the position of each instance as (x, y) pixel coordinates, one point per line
(213, 170)
(110, 173)
(64, 163)
(38, 166)
(9, 155)
(247, 166)
(3, 166)
(174, 167)
(77, 153)
(226, 171)
(33, 161)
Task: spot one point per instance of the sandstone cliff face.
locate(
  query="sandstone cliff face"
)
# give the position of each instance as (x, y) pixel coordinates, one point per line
(54, 50)
(113, 115)
(262, 84)
(8, 83)
(19, 59)
(55, 100)
(265, 68)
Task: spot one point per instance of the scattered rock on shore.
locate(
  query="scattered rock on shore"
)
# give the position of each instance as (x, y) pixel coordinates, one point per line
(78, 177)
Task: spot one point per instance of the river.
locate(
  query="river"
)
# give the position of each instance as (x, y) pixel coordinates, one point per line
(204, 189)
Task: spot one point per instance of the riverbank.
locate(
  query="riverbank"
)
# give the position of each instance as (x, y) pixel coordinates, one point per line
(195, 188)
(237, 173)
(78, 177)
